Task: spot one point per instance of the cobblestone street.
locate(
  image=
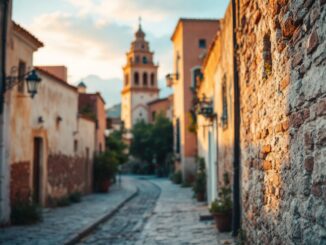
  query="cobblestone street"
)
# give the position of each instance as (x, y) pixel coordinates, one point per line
(125, 226)
(175, 220)
(160, 213)
(61, 225)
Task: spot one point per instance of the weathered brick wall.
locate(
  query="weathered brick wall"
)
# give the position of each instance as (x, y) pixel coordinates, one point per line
(20, 181)
(66, 175)
(283, 120)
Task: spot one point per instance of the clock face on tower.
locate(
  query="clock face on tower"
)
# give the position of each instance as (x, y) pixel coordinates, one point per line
(140, 80)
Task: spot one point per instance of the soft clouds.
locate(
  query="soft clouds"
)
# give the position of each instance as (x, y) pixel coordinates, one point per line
(92, 36)
(153, 10)
(87, 47)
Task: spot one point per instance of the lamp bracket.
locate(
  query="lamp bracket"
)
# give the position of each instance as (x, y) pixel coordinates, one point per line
(14, 79)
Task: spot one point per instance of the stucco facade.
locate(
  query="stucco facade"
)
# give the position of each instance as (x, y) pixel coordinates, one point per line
(162, 107)
(216, 136)
(45, 132)
(140, 83)
(92, 105)
(190, 41)
(18, 106)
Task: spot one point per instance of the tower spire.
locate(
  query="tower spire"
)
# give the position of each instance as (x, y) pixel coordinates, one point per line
(139, 22)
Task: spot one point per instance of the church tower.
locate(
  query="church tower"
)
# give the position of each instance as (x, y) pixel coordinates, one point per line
(140, 82)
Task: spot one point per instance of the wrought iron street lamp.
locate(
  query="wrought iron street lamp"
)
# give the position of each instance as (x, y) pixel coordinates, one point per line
(32, 79)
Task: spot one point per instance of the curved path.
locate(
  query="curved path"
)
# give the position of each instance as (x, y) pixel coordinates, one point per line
(125, 227)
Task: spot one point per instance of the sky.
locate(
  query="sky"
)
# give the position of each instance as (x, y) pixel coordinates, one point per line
(91, 37)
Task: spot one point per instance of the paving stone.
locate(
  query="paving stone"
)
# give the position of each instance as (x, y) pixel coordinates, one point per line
(175, 219)
(60, 223)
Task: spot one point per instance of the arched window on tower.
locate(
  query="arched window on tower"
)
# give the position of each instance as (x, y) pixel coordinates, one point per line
(136, 78)
(145, 80)
(144, 60)
(126, 80)
(137, 59)
(153, 79)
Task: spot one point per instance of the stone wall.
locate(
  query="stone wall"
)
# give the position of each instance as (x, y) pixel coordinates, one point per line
(66, 175)
(283, 120)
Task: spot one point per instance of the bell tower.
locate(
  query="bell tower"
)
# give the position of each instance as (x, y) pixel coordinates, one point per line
(140, 81)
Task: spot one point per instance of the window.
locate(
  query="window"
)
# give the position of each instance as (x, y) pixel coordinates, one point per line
(202, 43)
(126, 80)
(224, 117)
(144, 60)
(137, 59)
(136, 78)
(177, 136)
(153, 115)
(196, 76)
(21, 73)
(153, 79)
(145, 82)
(75, 146)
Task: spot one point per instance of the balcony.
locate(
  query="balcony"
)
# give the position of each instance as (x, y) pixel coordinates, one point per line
(171, 79)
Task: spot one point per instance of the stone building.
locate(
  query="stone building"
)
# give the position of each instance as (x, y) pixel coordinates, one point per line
(190, 39)
(140, 82)
(92, 105)
(18, 106)
(215, 134)
(49, 148)
(281, 75)
(163, 107)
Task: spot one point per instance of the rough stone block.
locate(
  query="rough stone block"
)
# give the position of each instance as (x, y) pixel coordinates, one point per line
(285, 82)
(267, 165)
(313, 41)
(316, 189)
(297, 59)
(266, 149)
(285, 125)
(287, 24)
(309, 164)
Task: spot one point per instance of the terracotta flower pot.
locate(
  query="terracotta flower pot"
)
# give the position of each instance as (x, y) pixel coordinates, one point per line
(223, 221)
(200, 197)
(105, 186)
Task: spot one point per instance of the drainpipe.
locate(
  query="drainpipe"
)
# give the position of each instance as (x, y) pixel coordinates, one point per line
(236, 218)
(4, 204)
(4, 26)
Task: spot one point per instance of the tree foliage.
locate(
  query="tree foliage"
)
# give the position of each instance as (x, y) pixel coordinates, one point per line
(117, 147)
(153, 142)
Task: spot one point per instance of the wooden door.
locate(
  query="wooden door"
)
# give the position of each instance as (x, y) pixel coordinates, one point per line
(37, 170)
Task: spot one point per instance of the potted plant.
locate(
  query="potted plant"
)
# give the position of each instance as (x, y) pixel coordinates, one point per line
(199, 187)
(105, 169)
(221, 208)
